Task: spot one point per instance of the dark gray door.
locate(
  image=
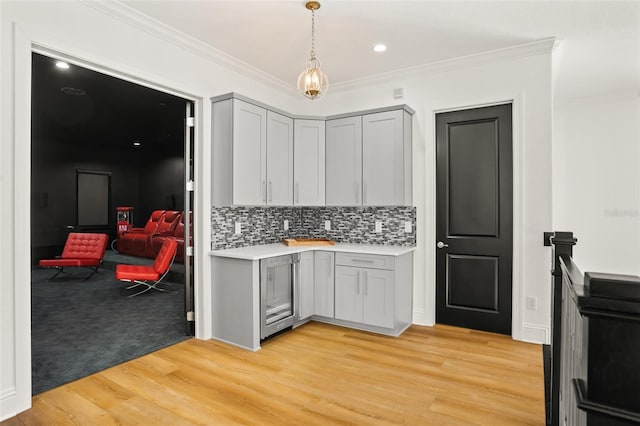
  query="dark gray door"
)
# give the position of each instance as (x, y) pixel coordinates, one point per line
(474, 221)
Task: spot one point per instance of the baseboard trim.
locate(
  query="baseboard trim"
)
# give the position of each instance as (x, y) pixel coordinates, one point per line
(534, 333)
(420, 318)
(7, 398)
(249, 348)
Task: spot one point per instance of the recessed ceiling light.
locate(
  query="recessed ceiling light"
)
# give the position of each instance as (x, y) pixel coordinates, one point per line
(137, 143)
(62, 65)
(379, 48)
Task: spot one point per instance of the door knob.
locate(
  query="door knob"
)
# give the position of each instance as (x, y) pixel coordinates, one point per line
(441, 245)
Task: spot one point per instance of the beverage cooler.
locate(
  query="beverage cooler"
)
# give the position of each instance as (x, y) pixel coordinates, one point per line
(278, 277)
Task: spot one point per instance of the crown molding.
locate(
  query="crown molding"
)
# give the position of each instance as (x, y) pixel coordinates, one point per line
(171, 35)
(538, 47)
(184, 41)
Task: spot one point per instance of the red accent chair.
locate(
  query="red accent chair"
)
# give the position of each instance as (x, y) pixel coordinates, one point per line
(81, 250)
(134, 241)
(149, 276)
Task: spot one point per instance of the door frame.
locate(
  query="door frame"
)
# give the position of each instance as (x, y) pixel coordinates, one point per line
(24, 44)
(515, 99)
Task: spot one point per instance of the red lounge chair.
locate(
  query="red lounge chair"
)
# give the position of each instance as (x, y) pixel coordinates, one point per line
(149, 276)
(81, 250)
(134, 241)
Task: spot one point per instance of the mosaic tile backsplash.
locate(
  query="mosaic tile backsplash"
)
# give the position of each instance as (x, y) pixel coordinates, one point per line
(354, 225)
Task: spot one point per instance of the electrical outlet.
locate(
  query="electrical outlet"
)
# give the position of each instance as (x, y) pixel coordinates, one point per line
(238, 228)
(378, 227)
(408, 228)
(327, 225)
(532, 303)
(286, 224)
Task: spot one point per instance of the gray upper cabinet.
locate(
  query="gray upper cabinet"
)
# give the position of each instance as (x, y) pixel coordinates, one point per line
(383, 159)
(249, 154)
(344, 162)
(309, 163)
(252, 155)
(264, 157)
(279, 167)
(369, 160)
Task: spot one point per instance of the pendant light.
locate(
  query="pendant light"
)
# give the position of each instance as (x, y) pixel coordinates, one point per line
(313, 83)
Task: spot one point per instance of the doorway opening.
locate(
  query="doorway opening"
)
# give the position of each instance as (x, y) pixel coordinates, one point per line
(98, 143)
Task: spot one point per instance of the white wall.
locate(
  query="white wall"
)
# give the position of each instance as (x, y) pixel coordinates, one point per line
(106, 38)
(97, 35)
(526, 81)
(596, 152)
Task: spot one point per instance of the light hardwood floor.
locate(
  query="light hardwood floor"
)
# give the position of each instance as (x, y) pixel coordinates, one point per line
(315, 375)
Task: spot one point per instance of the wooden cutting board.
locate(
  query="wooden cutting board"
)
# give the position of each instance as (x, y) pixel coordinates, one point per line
(308, 242)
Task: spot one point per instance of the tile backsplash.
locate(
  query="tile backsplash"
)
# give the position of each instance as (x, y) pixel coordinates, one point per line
(355, 225)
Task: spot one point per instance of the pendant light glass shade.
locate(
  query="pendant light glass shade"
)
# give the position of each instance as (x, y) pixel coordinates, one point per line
(313, 83)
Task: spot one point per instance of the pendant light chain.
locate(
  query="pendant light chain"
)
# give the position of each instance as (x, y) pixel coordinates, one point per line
(313, 34)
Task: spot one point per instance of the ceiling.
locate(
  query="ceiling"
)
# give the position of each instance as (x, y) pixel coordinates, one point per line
(599, 50)
(102, 112)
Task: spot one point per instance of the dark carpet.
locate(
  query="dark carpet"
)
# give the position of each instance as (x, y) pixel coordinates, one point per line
(82, 327)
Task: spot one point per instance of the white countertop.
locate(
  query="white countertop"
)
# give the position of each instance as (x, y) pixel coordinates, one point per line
(279, 249)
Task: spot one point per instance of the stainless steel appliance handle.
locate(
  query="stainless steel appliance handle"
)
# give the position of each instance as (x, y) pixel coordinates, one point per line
(366, 283)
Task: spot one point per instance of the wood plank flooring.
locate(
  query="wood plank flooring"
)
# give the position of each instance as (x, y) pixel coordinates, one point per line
(317, 374)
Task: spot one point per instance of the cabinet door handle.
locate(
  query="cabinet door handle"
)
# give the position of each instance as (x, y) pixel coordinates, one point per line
(263, 191)
(366, 283)
(364, 193)
(358, 282)
(362, 260)
(270, 191)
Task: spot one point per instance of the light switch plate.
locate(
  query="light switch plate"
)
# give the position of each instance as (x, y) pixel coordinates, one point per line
(407, 227)
(378, 227)
(286, 224)
(327, 225)
(238, 228)
(532, 303)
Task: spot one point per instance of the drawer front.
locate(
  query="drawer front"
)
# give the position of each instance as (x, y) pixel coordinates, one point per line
(374, 261)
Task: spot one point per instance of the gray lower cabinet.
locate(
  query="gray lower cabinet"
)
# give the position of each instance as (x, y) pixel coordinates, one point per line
(235, 302)
(306, 286)
(374, 292)
(324, 284)
(363, 291)
(364, 295)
